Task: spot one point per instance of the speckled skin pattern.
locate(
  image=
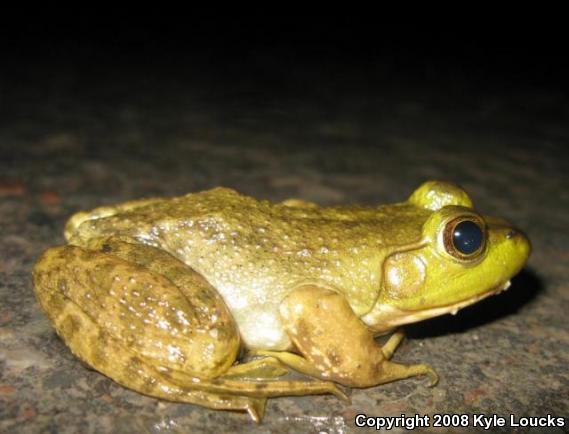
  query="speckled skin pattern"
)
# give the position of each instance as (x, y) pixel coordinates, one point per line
(508, 354)
(253, 252)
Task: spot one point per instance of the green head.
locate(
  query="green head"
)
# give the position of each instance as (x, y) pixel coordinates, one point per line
(462, 257)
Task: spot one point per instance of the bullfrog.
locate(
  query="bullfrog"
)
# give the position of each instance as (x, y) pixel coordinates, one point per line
(212, 297)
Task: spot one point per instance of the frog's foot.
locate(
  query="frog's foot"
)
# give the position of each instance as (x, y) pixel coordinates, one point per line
(256, 408)
(396, 371)
(258, 388)
(393, 342)
(390, 371)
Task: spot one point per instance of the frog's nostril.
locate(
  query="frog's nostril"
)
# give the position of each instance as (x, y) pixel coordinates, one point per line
(511, 234)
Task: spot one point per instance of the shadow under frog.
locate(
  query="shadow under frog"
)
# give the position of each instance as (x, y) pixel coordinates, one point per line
(162, 294)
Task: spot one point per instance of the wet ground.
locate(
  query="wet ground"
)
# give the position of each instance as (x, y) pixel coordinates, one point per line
(71, 141)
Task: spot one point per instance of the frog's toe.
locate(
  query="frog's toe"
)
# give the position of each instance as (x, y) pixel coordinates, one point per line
(256, 408)
(339, 393)
(391, 345)
(433, 376)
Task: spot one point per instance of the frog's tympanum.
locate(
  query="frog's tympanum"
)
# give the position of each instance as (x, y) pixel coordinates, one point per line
(162, 295)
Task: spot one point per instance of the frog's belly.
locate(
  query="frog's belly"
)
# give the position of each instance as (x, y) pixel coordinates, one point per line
(260, 327)
(255, 307)
(252, 296)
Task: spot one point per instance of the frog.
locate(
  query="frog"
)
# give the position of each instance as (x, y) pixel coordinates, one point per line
(213, 297)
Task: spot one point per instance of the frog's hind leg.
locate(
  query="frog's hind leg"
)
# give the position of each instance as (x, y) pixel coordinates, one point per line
(100, 349)
(233, 379)
(143, 318)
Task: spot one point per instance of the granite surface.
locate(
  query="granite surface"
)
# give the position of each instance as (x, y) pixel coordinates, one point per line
(70, 142)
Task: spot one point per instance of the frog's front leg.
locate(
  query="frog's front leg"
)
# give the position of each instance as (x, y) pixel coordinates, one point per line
(336, 345)
(145, 319)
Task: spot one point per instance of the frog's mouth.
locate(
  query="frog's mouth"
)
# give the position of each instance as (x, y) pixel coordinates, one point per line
(384, 317)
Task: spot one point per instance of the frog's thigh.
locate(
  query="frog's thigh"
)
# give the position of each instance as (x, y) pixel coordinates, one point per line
(59, 292)
(109, 355)
(335, 343)
(144, 298)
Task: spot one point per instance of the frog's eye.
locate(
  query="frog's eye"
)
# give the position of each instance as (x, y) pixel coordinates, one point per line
(464, 237)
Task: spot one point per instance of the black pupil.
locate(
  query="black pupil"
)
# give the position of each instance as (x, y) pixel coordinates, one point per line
(467, 237)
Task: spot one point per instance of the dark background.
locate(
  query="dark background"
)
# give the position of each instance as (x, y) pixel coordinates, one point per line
(333, 110)
(233, 69)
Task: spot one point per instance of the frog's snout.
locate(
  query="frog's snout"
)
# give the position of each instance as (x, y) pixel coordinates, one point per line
(517, 235)
(519, 238)
(502, 232)
(521, 243)
(516, 248)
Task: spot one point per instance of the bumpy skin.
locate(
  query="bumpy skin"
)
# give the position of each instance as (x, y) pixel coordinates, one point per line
(161, 294)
